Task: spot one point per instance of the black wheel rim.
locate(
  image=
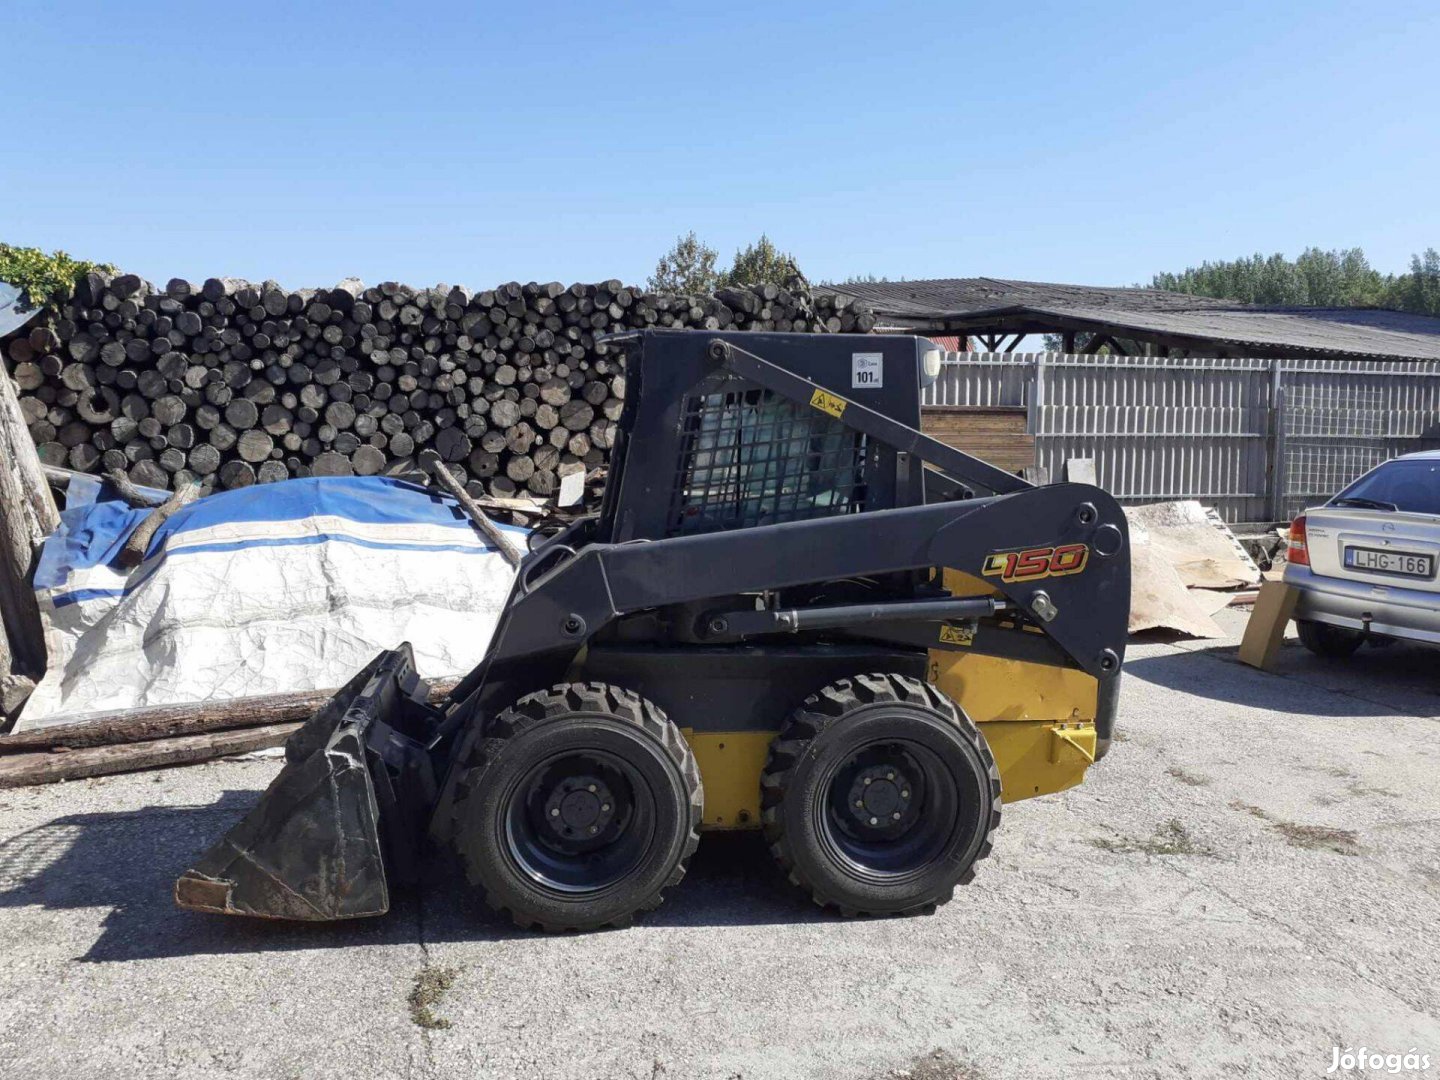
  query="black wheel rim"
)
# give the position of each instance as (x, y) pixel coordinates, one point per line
(889, 810)
(580, 822)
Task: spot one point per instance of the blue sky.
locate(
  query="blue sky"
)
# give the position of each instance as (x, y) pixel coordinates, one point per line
(477, 143)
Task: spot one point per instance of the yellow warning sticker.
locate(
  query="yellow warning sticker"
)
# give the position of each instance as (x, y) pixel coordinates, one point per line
(957, 635)
(828, 403)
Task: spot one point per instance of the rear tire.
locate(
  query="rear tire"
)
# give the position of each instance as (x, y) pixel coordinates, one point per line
(1331, 642)
(578, 809)
(880, 796)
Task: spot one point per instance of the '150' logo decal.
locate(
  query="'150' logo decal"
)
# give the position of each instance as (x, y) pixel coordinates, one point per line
(1035, 563)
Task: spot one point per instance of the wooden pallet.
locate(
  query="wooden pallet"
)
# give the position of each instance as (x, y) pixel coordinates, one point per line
(995, 434)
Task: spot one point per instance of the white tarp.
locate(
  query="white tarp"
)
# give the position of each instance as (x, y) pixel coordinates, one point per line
(268, 589)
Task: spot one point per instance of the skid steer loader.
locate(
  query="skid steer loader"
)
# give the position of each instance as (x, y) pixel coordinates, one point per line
(794, 612)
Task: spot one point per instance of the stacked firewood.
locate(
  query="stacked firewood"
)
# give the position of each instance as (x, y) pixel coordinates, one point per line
(231, 383)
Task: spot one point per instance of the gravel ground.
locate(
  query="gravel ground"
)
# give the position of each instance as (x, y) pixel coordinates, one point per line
(1249, 880)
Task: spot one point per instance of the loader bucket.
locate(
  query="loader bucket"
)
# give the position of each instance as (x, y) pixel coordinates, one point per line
(312, 847)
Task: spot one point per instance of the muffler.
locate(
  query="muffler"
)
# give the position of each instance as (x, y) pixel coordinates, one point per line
(355, 792)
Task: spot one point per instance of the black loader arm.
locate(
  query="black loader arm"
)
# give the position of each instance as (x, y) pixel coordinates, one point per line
(1083, 605)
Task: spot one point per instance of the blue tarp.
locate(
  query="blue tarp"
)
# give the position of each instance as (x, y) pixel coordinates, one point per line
(266, 589)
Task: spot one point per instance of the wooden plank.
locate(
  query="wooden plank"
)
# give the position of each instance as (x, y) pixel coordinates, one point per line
(164, 721)
(492, 532)
(27, 514)
(19, 451)
(49, 767)
(1265, 631)
(994, 434)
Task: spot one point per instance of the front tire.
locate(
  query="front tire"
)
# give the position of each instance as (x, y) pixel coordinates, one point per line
(579, 808)
(1331, 642)
(880, 796)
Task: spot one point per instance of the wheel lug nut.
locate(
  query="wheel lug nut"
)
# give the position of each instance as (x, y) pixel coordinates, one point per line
(874, 821)
(555, 812)
(896, 815)
(605, 808)
(594, 829)
(860, 803)
(904, 794)
(889, 776)
(867, 781)
(591, 789)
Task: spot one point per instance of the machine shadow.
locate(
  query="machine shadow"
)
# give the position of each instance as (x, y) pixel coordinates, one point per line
(1373, 682)
(127, 862)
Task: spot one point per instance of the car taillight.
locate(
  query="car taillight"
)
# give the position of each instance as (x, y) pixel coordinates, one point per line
(1297, 552)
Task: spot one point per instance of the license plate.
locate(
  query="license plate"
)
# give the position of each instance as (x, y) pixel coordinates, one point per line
(1389, 562)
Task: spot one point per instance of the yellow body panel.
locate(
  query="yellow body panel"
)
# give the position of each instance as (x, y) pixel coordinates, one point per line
(1039, 722)
(730, 766)
(1038, 719)
(994, 688)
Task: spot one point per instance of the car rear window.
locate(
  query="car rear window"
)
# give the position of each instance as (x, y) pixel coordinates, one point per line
(1412, 486)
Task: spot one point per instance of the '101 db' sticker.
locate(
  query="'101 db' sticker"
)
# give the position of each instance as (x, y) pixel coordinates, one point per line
(1032, 564)
(867, 370)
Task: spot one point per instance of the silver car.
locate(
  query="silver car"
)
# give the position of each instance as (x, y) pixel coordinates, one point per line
(1365, 562)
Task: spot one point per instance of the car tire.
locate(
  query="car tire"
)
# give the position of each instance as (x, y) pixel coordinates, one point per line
(1331, 642)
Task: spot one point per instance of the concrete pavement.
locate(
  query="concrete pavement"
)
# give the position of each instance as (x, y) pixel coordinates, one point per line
(1250, 879)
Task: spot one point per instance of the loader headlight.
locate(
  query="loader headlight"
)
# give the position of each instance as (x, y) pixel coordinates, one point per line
(930, 361)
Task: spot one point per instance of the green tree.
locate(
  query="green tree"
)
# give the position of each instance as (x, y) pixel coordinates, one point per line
(687, 268)
(1317, 278)
(864, 279)
(762, 263)
(1419, 290)
(43, 278)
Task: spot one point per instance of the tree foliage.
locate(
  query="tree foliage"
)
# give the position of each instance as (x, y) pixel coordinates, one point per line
(43, 278)
(865, 279)
(761, 263)
(1317, 278)
(687, 268)
(1419, 290)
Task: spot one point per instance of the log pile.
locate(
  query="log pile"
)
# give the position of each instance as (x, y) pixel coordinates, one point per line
(230, 383)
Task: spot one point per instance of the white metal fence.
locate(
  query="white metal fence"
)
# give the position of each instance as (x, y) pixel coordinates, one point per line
(1256, 439)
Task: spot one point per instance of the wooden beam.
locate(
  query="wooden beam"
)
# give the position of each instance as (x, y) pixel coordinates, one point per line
(27, 515)
(49, 767)
(132, 495)
(19, 452)
(1173, 344)
(491, 531)
(167, 721)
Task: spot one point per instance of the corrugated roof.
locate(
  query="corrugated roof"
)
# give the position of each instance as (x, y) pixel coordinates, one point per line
(980, 294)
(965, 303)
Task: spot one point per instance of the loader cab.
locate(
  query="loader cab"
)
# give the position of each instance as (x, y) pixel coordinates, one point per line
(721, 452)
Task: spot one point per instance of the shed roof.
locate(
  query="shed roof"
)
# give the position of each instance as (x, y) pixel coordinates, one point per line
(960, 304)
